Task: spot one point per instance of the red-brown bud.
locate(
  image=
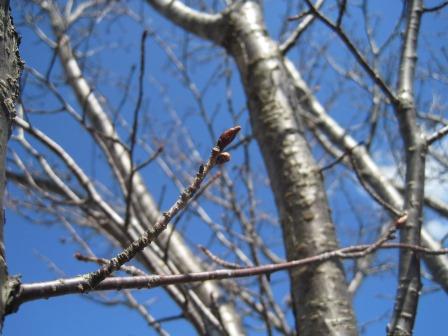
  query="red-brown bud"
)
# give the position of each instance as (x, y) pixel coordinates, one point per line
(223, 158)
(227, 137)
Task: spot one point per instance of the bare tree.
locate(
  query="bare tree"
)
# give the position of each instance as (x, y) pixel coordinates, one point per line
(299, 90)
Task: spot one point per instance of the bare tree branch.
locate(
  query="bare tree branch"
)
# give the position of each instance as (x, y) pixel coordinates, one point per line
(402, 321)
(36, 291)
(370, 172)
(373, 73)
(94, 278)
(306, 21)
(208, 26)
(435, 8)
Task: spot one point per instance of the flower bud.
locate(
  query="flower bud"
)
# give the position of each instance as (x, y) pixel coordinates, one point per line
(223, 158)
(227, 137)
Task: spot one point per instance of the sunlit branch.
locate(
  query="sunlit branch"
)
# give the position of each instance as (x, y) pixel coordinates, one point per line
(437, 135)
(371, 191)
(409, 278)
(54, 179)
(35, 291)
(205, 25)
(217, 156)
(198, 194)
(71, 164)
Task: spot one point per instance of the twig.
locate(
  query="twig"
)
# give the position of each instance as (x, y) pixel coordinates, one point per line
(374, 75)
(82, 178)
(218, 260)
(217, 156)
(194, 198)
(435, 8)
(131, 270)
(35, 291)
(342, 8)
(437, 135)
(308, 19)
(371, 191)
(150, 159)
(340, 158)
(130, 183)
(152, 322)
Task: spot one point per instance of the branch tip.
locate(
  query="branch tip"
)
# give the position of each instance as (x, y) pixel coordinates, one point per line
(227, 137)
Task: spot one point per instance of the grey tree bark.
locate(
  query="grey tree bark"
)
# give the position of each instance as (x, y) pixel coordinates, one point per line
(10, 69)
(322, 305)
(409, 282)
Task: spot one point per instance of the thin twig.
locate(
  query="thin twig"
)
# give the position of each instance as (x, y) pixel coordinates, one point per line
(435, 8)
(216, 156)
(131, 270)
(373, 73)
(342, 8)
(437, 135)
(340, 158)
(218, 260)
(150, 159)
(308, 19)
(130, 183)
(371, 191)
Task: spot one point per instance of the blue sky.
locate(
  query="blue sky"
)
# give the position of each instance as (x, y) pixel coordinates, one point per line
(33, 249)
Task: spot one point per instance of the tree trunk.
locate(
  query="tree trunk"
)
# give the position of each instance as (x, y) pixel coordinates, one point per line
(320, 299)
(10, 68)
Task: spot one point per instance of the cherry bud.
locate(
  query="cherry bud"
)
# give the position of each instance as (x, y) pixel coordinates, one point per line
(227, 137)
(223, 158)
